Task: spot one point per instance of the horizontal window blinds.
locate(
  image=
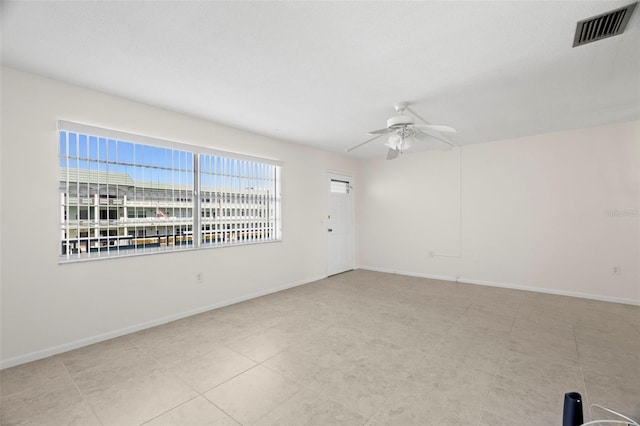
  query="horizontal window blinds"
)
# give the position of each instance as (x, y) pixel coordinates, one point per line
(123, 197)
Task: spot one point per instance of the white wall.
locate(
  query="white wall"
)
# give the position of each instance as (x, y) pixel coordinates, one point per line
(47, 307)
(533, 213)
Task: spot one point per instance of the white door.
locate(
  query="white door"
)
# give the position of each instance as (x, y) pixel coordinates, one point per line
(339, 224)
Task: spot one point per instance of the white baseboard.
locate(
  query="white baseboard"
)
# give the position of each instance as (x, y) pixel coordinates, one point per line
(65, 347)
(410, 274)
(465, 280)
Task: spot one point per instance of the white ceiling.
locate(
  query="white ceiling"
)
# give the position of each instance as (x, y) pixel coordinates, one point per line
(325, 73)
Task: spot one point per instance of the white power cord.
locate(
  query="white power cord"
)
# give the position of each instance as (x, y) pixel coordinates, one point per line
(626, 422)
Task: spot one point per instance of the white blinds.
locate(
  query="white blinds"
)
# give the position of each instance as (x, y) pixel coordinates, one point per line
(121, 197)
(74, 127)
(339, 186)
(238, 200)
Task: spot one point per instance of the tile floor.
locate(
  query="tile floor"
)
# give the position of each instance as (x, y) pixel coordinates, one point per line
(360, 348)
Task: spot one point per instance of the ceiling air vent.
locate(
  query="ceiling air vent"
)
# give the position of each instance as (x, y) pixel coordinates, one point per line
(602, 26)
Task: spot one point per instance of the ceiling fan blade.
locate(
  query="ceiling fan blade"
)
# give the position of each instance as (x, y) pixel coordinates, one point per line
(432, 143)
(436, 127)
(433, 135)
(392, 154)
(380, 132)
(362, 143)
(415, 114)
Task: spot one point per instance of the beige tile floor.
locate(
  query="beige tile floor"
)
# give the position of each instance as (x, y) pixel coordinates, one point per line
(354, 349)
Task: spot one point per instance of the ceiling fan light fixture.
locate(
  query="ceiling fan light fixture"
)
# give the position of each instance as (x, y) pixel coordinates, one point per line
(398, 142)
(394, 141)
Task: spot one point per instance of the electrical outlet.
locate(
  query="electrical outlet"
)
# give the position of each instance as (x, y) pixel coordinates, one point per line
(199, 278)
(616, 270)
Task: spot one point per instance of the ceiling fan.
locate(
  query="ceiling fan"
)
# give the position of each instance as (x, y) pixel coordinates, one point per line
(404, 132)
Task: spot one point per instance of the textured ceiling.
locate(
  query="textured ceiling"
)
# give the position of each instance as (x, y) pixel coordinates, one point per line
(325, 73)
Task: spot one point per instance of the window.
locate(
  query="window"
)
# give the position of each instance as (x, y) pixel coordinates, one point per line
(229, 187)
(123, 194)
(339, 186)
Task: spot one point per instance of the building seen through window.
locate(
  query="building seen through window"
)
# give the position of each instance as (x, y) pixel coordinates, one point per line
(119, 198)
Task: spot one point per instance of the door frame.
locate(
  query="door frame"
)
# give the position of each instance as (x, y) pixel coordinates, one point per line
(328, 176)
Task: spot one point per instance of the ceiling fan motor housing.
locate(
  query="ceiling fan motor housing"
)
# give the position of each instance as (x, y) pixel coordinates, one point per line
(399, 122)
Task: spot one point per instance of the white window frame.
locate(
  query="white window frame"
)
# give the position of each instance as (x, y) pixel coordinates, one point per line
(256, 207)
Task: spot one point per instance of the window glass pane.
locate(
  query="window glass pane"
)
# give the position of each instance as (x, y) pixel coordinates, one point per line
(119, 198)
(339, 186)
(230, 211)
(116, 198)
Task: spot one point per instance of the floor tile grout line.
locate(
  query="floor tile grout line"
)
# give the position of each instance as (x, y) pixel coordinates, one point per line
(146, 352)
(226, 380)
(251, 359)
(330, 397)
(221, 409)
(169, 410)
(498, 368)
(84, 398)
(379, 405)
(166, 370)
(161, 367)
(406, 380)
(584, 381)
(278, 405)
(202, 394)
(160, 364)
(28, 389)
(188, 359)
(382, 404)
(310, 387)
